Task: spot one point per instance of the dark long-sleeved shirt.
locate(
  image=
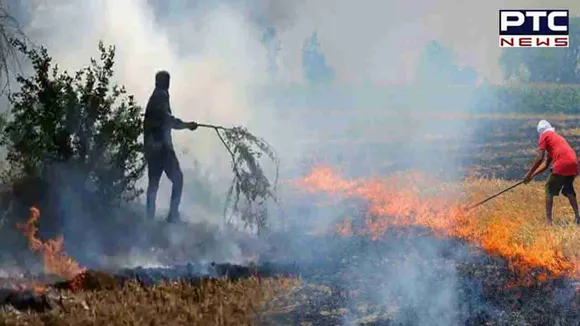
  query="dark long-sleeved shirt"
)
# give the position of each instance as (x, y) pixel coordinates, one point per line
(159, 121)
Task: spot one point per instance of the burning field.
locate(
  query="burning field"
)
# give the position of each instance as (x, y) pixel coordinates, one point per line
(400, 249)
(406, 252)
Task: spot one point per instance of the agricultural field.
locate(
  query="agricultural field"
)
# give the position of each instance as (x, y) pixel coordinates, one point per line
(398, 246)
(449, 146)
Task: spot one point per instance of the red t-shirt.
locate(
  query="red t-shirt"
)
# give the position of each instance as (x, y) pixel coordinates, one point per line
(564, 161)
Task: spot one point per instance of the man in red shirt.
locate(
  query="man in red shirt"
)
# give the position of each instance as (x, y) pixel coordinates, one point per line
(564, 167)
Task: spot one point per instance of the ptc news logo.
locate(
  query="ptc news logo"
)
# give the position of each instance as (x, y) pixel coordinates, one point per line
(534, 28)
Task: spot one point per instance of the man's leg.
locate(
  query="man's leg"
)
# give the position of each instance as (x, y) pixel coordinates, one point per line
(553, 187)
(570, 193)
(154, 171)
(549, 206)
(173, 171)
(574, 204)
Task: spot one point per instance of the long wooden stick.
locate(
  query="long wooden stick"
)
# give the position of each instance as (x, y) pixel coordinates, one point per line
(495, 195)
(210, 126)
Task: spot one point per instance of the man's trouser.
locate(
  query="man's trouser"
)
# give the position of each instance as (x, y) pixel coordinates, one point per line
(159, 161)
(557, 184)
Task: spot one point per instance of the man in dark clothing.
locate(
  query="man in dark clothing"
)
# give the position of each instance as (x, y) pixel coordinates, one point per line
(159, 153)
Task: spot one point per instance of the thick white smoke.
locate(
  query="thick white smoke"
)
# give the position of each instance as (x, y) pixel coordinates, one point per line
(209, 82)
(219, 66)
(213, 48)
(215, 58)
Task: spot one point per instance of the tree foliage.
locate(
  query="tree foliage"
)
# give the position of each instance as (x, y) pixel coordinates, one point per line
(250, 190)
(437, 65)
(316, 70)
(78, 131)
(527, 98)
(545, 65)
(273, 45)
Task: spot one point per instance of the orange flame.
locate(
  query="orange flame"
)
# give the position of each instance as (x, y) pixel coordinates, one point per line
(401, 201)
(55, 260)
(344, 229)
(38, 288)
(28, 286)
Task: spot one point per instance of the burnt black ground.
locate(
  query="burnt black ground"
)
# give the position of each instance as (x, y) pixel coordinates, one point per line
(412, 278)
(408, 277)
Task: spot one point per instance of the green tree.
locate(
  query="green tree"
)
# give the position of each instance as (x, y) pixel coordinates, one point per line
(315, 68)
(273, 45)
(80, 128)
(437, 65)
(545, 65)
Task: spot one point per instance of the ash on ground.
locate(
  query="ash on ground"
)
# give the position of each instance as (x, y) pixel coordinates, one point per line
(411, 277)
(408, 277)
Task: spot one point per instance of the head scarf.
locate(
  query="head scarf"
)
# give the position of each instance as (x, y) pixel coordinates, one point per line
(544, 126)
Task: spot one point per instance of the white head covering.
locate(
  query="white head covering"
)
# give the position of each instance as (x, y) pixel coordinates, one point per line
(544, 126)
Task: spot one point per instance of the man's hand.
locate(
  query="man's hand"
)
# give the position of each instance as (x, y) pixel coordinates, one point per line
(534, 168)
(528, 177)
(192, 125)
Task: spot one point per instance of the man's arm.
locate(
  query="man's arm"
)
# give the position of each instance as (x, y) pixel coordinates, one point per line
(544, 167)
(539, 159)
(160, 115)
(168, 118)
(176, 123)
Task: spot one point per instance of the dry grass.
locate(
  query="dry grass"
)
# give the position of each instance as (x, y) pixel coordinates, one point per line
(212, 302)
(524, 208)
(511, 226)
(525, 201)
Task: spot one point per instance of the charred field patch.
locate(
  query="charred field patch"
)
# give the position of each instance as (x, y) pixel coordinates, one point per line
(407, 277)
(410, 277)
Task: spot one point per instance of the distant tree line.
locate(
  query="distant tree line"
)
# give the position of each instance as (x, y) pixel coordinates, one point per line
(545, 65)
(539, 80)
